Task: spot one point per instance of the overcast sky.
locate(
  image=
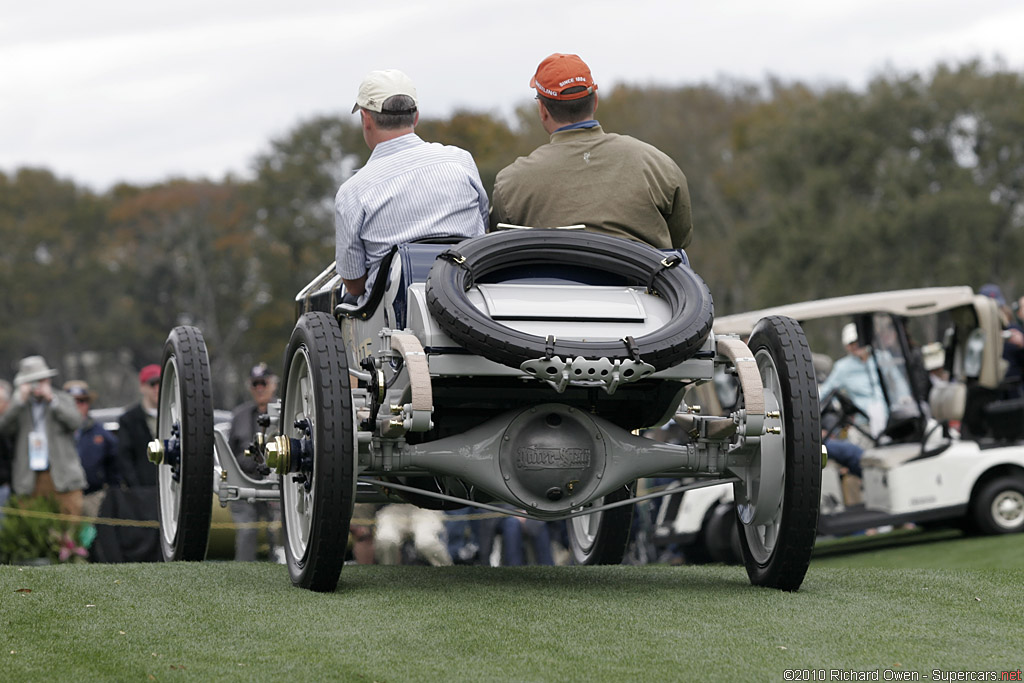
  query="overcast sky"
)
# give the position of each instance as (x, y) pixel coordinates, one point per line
(141, 90)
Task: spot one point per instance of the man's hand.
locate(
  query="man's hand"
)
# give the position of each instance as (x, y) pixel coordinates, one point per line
(43, 391)
(355, 287)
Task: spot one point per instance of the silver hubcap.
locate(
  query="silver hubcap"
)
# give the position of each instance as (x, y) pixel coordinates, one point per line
(586, 527)
(300, 404)
(1008, 509)
(169, 414)
(761, 512)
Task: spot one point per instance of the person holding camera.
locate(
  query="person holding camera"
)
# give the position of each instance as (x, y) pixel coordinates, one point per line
(42, 422)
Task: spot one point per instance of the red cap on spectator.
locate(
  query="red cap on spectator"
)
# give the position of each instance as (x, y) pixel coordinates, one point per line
(149, 373)
(560, 72)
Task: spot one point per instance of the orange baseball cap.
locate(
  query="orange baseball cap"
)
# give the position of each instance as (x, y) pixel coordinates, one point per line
(560, 72)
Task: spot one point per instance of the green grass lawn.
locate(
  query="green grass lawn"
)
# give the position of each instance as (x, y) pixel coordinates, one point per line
(228, 621)
(923, 549)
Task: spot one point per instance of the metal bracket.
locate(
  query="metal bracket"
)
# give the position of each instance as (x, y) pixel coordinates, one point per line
(750, 382)
(415, 415)
(604, 373)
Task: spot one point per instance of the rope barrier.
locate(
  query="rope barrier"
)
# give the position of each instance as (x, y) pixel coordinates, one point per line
(153, 524)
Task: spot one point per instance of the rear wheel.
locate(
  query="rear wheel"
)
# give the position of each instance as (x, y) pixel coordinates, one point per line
(185, 432)
(778, 499)
(318, 470)
(602, 537)
(998, 507)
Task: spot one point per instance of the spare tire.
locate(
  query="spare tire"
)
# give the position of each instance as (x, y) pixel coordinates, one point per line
(457, 270)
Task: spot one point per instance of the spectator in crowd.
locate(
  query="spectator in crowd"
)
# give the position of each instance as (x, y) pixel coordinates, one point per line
(408, 190)
(516, 530)
(138, 498)
(360, 532)
(462, 526)
(856, 374)
(6, 447)
(263, 389)
(1013, 338)
(97, 450)
(136, 428)
(613, 184)
(399, 522)
(42, 423)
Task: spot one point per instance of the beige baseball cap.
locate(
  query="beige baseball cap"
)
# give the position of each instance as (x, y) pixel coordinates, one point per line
(849, 334)
(378, 86)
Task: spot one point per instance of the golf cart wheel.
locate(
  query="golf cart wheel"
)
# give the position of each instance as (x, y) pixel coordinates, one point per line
(778, 509)
(318, 481)
(185, 430)
(456, 271)
(999, 506)
(602, 537)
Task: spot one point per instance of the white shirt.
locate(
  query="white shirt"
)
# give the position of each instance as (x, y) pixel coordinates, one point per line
(408, 190)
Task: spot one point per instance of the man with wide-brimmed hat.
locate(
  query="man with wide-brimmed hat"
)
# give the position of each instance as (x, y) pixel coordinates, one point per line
(42, 422)
(97, 449)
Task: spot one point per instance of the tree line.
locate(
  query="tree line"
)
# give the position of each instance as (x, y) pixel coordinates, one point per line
(798, 192)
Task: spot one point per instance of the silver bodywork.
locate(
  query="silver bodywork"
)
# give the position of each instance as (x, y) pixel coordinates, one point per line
(549, 460)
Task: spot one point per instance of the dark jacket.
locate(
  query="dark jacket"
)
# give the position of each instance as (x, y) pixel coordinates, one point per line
(133, 435)
(243, 427)
(97, 449)
(6, 455)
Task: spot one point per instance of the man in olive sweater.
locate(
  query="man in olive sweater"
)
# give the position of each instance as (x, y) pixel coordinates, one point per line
(612, 184)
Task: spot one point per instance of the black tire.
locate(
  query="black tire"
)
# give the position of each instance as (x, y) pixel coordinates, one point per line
(776, 554)
(602, 537)
(317, 493)
(998, 506)
(451, 276)
(722, 534)
(185, 415)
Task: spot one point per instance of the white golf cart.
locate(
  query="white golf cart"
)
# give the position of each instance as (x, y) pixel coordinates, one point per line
(951, 451)
(515, 369)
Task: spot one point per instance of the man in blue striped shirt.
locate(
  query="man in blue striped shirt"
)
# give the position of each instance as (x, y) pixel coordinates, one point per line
(408, 190)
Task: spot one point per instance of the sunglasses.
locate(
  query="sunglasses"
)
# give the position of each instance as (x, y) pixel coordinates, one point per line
(259, 383)
(81, 400)
(153, 382)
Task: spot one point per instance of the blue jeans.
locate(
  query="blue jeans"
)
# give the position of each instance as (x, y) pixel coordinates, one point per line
(846, 454)
(513, 529)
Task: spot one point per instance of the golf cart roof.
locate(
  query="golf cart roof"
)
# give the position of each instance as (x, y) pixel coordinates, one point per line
(905, 302)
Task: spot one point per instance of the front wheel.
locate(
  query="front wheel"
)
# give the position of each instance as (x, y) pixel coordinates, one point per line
(185, 433)
(602, 537)
(779, 498)
(999, 506)
(318, 477)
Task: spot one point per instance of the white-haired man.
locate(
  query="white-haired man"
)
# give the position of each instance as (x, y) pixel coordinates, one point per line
(408, 190)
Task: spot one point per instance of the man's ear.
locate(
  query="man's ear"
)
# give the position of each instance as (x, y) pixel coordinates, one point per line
(416, 118)
(542, 111)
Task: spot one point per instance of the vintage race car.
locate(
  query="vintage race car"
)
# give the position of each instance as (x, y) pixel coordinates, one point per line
(511, 369)
(952, 451)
